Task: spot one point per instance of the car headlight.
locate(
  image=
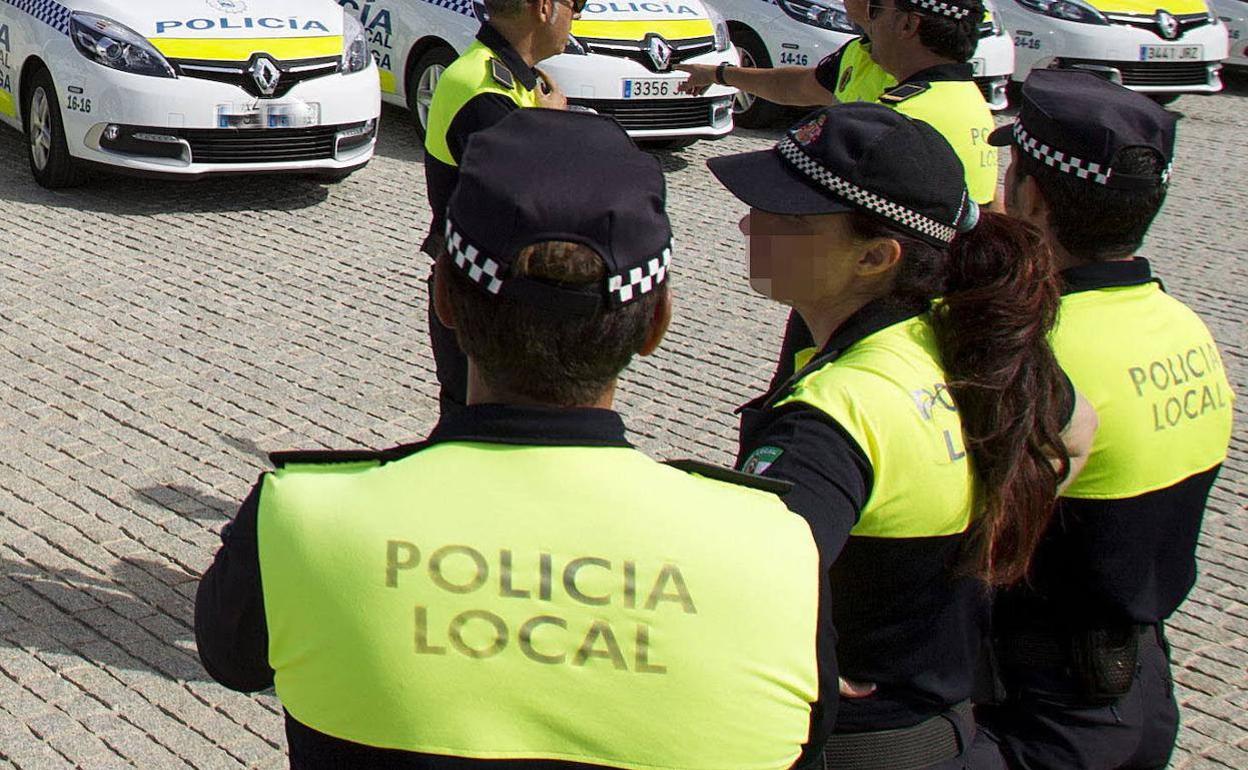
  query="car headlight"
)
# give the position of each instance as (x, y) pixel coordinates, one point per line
(721, 29)
(992, 11)
(355, 53)
(1067, 10)
(575, 46)
(114, 45)
(828, 14)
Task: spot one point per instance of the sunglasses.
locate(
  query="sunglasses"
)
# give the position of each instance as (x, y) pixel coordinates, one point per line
(576, 5)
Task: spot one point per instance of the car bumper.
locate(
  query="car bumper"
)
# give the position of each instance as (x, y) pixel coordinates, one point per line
(596, 82)
(1115, 51)
(177, 127)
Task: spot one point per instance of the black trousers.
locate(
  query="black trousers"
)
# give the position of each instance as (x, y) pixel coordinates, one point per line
(1137, 732)
(976, 749)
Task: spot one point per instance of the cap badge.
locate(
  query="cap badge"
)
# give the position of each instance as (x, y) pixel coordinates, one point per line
(810, 132)
(659, 51)
(1168, 25)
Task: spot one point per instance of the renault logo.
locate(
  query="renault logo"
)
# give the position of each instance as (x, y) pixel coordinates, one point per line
(266, 74)
(659, 51)
(1168, 25)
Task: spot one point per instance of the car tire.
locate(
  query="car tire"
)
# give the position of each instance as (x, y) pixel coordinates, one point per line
(749, 111)
(50, 162)
(423, 80)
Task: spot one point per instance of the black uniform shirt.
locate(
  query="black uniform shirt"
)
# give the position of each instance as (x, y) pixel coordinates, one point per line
(905, 621)
(481, 111)
(232, 635)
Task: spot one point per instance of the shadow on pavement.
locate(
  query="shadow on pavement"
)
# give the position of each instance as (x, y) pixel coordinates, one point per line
(188, 502)
(136, 619)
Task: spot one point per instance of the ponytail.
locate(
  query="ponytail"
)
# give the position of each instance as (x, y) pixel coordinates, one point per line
(996, 296)
(992, 325)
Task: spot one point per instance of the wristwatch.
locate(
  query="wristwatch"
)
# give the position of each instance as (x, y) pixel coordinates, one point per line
(719, 71)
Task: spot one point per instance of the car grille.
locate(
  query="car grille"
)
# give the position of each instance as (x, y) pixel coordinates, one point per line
(681, 50)
(224, 145)
(1136, 73)
(1187, 22)
(653, 114)
(238, 74)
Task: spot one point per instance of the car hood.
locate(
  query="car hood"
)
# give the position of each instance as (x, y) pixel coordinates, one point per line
(221, 19)
(1149, 7)
(635, 19)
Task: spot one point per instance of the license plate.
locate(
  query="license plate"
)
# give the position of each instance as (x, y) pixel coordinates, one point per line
(977, 67)
(650, 88)
(1172, 52)
(294, 115)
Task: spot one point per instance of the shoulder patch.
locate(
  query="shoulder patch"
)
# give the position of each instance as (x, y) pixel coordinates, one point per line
(501, 74)
(774, 486)
(761, 459)
(903, 92)
(325, 457)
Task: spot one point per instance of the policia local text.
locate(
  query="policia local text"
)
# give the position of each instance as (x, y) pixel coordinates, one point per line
(1164, 378)
(480, 633)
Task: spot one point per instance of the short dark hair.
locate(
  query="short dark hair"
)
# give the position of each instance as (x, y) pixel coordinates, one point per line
(1093, 221)
(531, 352)
(949, 38)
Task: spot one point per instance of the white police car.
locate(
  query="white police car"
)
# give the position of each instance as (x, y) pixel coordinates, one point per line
(1234, 14)
(618, 63)
(783, 33)
(187, 87)
(1159, 47)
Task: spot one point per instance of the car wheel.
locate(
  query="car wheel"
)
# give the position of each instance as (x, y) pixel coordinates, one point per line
(424, 81)
(50, 162)
(749, 111)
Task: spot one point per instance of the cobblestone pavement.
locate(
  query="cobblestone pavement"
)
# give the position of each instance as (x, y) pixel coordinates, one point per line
(158, 339)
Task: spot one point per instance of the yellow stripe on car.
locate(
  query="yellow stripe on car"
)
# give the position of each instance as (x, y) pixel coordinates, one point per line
(7, 105)
(680, 29)
(242, 49)
(388, 84)
(1150, 7)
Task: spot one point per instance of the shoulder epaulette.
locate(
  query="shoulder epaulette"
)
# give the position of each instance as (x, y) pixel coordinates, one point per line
(325, 457)
(727, 475)
(501, 74)
(898, 94)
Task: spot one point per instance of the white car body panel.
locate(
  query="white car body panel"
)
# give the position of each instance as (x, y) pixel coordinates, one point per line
(1234, 14)
(93, 96)
(401, 30)
(790, 42)
(1113, 49)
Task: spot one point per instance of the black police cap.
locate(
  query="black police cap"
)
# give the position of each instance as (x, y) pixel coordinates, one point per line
(547, 175)
(858, 157)
(952, 9)
(1077, 123)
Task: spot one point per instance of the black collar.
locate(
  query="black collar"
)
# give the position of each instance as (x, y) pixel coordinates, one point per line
(1105, 275)
(494, 40)
(957, 72)
(532, 426)
(872, 317)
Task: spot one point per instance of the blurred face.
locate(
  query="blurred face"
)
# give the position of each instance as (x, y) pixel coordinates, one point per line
(553, 35)
(800, 260)
(856, 10)
(885, 26)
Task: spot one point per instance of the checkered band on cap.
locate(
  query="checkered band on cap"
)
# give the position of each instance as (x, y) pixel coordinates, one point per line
(941, 8)
(639, 281)
(868, 200)
(1062, 161)
(477, 266)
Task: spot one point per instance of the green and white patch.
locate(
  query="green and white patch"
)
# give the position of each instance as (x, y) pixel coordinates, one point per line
(761, 459)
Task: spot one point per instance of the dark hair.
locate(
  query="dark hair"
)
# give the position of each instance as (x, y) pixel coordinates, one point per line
(531, 352)
(995, 296)
(1092, 221)
(948, 38)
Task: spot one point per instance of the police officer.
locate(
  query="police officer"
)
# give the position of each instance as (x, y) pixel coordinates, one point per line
(913, 57)
(524, 584)
(496, 75)
(1082, 648)
(925, 439)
